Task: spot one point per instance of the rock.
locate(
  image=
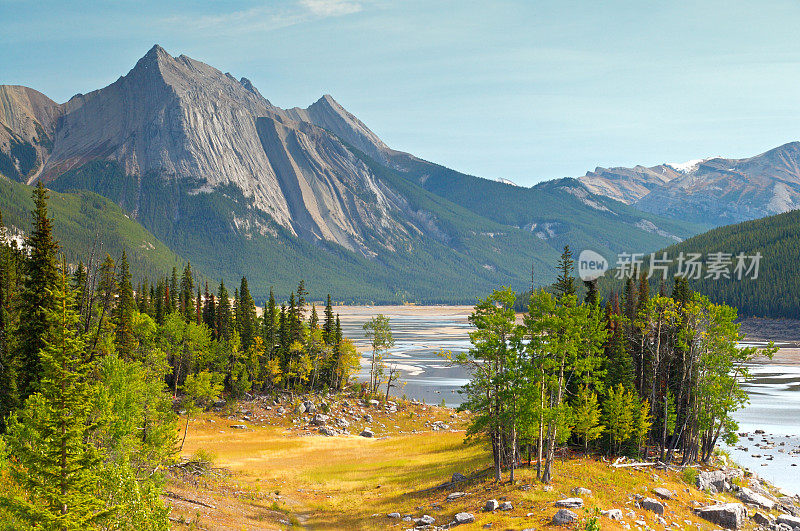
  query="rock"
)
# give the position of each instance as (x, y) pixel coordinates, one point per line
(310, 407)
(407, 519)
(393, 515)
(612, 514)
(342, 423)
(712, 480)
(727, 515)
(368, 418)
(238, 426)
(425, 520)
(320, 420)
(506, 506)
(458, 477)
(571, 503)
(374, 403)
(564, 517)
(790, 520)
(652, 504)
(491, 505)
(455, 495)
(782, 527)
(581, 491)
(367, 433)
(325, 430)
(664, 494)
(219, 403)
(753, 498)
(464, 518)
(300, 409)
(762, 519)
(281, 410)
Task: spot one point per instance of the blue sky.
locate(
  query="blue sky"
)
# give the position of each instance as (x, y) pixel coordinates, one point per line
(522, 90)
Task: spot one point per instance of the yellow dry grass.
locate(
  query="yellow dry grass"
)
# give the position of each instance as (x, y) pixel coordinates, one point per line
(350, 482)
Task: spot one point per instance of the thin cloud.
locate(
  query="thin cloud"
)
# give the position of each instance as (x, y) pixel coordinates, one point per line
(331, 8)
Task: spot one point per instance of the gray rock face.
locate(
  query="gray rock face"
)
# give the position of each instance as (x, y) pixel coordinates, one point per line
(762, 519)
(464, 518)
(652, 504)
(570, 503)
(753, 498)
(320, 420)
(325, 430)
(727, 515)
(715, 190)
(564, 517)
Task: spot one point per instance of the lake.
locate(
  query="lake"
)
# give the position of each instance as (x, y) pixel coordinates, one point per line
(421, 333)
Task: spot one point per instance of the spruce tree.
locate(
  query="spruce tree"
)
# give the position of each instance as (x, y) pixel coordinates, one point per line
(270, 331)
(123, 314)
(55, 462)
(565, 284)
(246, 318)
(329, 324)
(9, 396)
(37, 300)
(224, 324)
(186, 294)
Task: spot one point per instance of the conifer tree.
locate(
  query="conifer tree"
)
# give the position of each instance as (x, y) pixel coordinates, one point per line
(270, 329)
(199, 307)
(37, 301)
(210, 311)
(565, 284)
(9, 397)
(246, 318)
(224, 322)
(55, 462)
(173, 292)
(329, 324)
(123, 315)
(186, 294)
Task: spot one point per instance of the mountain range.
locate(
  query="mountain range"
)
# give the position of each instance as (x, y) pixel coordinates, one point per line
(220, 176)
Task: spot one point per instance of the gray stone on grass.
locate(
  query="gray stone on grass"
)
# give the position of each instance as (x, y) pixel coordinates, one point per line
(393, 515)
(238, 426)
(425, 520)
(455, 495)
(753, 498)
(367, 433)
(664, 494)
(652, 504)
(571, 503)
(457, 476)
(464, 518)
(581, 491)
(727, 515)
(506, 506)
(564, 517)
(790, 520)
(612, 514)
(491, 505)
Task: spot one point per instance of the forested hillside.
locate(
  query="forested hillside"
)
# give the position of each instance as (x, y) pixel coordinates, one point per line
(86, 221)
(776, 290)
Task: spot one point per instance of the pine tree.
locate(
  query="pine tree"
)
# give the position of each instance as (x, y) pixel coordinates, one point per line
(270, 330)
(123, 315)
(186, 294)
(199, 307)
(210, 311)
(565, 284)
(313, 321)
(9, 396)
(302, 294)
(55, 462)
(329, 324)
(224, 322)
(37, 300)
(246, 318)
(173, 292)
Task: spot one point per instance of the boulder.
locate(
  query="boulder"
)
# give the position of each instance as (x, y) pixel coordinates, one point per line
(464, 518)
(374, 403)
(458, 477)
(425, 520)
(324, 430)
(581, 491)
(506, 506)
(367, 433)
(320, 419)
(612, 514)
(281, 410)
(394, 515)
(342, 423)
(491, 505)
(300, 409)
(753, 498)
(727, 515)
(310, 407)
(238, 426)
(571, 503)
(790, 520)
(564, 517)
(652, 504)
(763, 519)
(713, 480)
(455, 495)
(368, 418)
(664, 494)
